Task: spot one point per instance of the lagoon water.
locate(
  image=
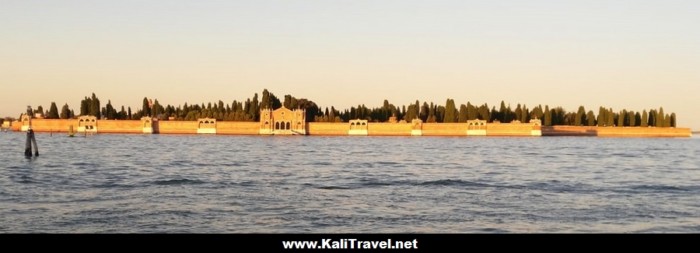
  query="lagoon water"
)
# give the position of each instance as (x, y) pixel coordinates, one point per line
(252, 184)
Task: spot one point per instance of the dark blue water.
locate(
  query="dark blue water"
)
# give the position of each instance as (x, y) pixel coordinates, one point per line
(237, 184)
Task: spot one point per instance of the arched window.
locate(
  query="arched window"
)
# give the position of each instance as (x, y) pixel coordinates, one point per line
(288, 126)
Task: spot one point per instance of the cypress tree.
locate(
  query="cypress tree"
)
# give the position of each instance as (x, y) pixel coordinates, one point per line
(416, 109)
(673, 120)
(122, 113)
(547, 116)
(601, 116)
(410, 113)
(287, 101)
(108, 110)
(660, 118)
(577, 118)
(254, 108)
(425, 112)
(145, 109)
(439, 113)
(53, 111)
(95, 106)
(265, 101)
(537, 112)
(621, 119)
(462, 113)
(65, 112)
(450, 112)
(85, 106)
(331, 114)
(39, 110)
(590, 119)
(580, 116)
(502, 112)
(494, 115)
(484, 112)
(274, 102)
(472, 113)
(508, 115)
(632, 119)
(431, 114)
(610, 117)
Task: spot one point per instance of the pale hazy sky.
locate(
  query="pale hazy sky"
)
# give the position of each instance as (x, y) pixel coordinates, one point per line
(623, 54)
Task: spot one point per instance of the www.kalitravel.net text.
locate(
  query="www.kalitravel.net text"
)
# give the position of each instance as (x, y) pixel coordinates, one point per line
(350, 244)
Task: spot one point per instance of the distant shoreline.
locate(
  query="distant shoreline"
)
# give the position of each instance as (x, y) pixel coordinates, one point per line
(354, 128)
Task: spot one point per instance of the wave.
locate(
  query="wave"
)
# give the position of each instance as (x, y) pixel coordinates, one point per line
(113, 185)
(319, 163)
(376, 183)
(430, 183)
(560, 187)
(453, 182)
(333, 187)
(183, 181)
(664, 188)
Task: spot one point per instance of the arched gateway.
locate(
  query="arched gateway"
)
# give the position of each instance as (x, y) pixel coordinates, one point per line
(283, 121)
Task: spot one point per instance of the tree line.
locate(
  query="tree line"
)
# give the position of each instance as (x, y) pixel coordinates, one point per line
(249, 110)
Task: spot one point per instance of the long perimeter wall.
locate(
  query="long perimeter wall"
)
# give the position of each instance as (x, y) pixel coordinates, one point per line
(372, 129)
(616, 131)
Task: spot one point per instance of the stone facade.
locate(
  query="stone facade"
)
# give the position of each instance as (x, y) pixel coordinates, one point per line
(416, 127)
(358, 127)
(24, 122)
(536, 127)
(87, 124)
(206, 126)
(476, 127)
(149, 124)
(283, 121)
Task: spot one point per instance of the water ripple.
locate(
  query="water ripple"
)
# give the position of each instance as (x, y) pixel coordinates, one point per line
(235, 184)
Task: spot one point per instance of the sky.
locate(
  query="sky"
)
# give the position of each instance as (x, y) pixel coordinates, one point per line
(615, 53)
